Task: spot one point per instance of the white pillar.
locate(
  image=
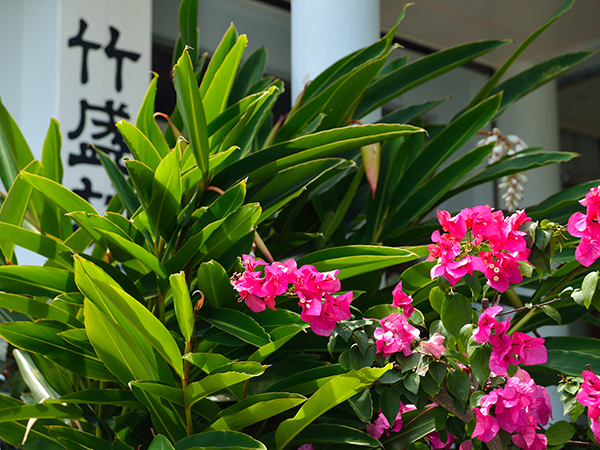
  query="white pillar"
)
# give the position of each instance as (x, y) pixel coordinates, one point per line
(324, 31)
(534, 119)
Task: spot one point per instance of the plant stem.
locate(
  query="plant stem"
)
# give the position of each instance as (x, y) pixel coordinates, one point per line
(244, 390)
(187, 368)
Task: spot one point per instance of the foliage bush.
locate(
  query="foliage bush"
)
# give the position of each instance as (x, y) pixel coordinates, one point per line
(131, 334)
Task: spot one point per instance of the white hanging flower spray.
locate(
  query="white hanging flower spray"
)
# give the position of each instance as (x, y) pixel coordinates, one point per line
(507, 146)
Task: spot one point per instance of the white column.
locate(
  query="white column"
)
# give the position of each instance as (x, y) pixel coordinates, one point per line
(324, 31)
(534, 119)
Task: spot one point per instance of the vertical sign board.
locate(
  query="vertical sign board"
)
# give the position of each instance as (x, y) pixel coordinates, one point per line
(105, 51)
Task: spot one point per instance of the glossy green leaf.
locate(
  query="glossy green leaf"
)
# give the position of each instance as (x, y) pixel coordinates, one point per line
(559, 433)
(145, 119)
(456, 312)
(32, 376)
(336, 391)
(44, 339)
(444, 145)
(192, 111)
(480, 364)
(167, 418)
(237, 324)
(434, 188)
(62, 197)
(308, 381)
(118, 397)
(207, 361)
(215, 97)
(410, 112)
(509, 166)
(354, 260)
(572, 361)
(253, 409)
(142, 176)
(250, 72)
(166, 196)
(485, 90)
(214, 283)
(216, 382)
(15, 153)
(13, 432)
(51, 161)
(45, 246)
(228, 40)
(128, 314)
(418, 72)
(39, 411)
(37, 281)
(160, 442)
(220, 439)
(275, 158)
(561, 199)
(139, 145)
(279, 336)
(183, 304)
(124, 191)
(415, 426)
(362, 404)
(36, 309)
(329, 433)
(118, 351)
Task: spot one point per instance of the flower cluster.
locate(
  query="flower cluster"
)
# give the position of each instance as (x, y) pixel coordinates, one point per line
(396, 334)
(587, 227)
(590, 396)
(381, 424)
(261, 283)
(519, 406)
(503, 146)
(481, 239)
(435, 442)
(520, 348)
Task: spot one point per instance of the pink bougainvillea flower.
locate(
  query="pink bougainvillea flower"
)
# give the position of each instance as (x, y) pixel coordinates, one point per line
(485, 324)
(434, 346)
(500, 270)
(587, 227)
(395, 335)
(333, 310)
(456, 225)
(486, 428)
(437, 444)
(401, 300)
(528, 349)
(526, 437)
(590, 390)
(501, 356)
(306, 447)
(381, 424)
(466, 445)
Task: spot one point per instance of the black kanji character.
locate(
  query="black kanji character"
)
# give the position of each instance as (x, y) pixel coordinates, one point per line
(86, 46)
(112, 52)
(87, 192)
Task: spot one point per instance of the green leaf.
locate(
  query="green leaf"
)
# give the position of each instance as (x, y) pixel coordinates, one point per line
(355, 260)
(220, 439)
(334, 392)
(39, 411)
(436, 299)
(207, 361)
(51, 162)
(166, 196)
(124, 191)
(43, 338)
(250, 72)
(571, 361)
(167, 417)
(139, 145)
(480, 364)
(559, 433)
(335, 434)
(229, 375)
(275, 158)
(142, 176)
(215, 97)
(117, 350)
(145, 119)
(62, 197)
(456, 312)
(160, 442)
(362, 404)
(14, 207)
(517, 163)
(444, 145)
(237, 324)
(459, 385)
(37, 309)
(183, 305)
(485, 90)
(118, 397)
(227, 42)
(416, 427)
(389, 402)
(192, 111)
(46, 246)
(279, 336)
(560, 200)
(529, 80)
(36, 281)
(424, 69)
(253, 409)
(15, 154)
(552, 312)
(214, 283)
(127, 314)
(410, 112)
